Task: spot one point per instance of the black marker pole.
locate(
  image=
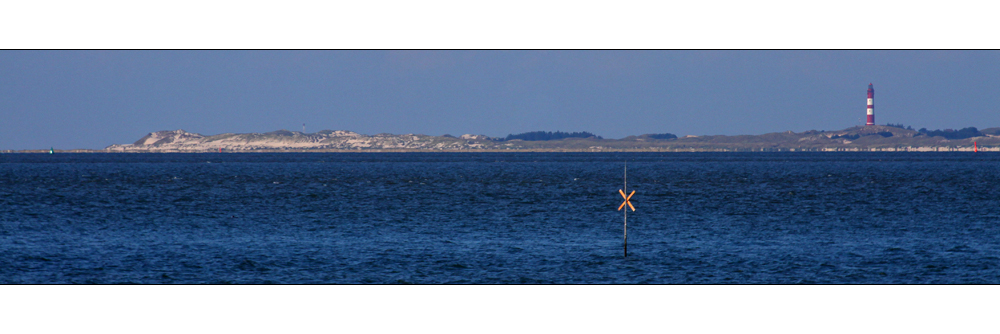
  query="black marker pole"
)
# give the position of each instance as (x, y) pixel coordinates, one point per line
(624, 203)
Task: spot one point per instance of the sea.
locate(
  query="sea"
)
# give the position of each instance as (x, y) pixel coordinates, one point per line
(500, 218)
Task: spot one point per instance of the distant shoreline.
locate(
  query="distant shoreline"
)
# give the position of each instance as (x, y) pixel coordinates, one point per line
(874, 138)
(688, 150)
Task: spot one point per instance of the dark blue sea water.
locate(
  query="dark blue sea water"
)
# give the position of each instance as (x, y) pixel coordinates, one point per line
(500, 218)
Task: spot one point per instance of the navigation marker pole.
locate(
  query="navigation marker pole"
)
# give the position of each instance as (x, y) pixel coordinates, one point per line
(627, 198)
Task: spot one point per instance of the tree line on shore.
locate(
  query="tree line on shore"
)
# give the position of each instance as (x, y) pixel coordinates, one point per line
(549, 135)
(963, 133)
(557, 135)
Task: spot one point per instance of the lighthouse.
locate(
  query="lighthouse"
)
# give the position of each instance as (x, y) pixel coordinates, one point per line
(871, 105)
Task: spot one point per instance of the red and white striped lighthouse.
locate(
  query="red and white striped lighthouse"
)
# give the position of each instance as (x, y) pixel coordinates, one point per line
(871, 105)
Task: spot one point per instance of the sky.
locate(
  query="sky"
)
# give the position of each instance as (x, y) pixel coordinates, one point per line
(92, 99)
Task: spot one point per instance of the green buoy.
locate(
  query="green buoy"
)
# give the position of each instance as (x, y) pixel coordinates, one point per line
(52, 150)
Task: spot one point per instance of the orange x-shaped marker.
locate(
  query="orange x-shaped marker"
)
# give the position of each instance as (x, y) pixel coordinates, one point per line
(626, 200)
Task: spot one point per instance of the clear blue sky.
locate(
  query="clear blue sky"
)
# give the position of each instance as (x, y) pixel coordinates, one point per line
(92, 99)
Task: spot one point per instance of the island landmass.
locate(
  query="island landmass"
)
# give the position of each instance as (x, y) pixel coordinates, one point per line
(860, 138)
